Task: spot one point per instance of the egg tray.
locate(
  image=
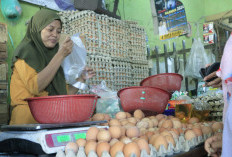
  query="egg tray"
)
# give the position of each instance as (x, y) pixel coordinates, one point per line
(214, 103)
(181, 147)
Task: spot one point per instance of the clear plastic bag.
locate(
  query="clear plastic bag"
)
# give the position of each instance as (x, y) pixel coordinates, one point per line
(11, 9)
(75, 63)
(197, 59)
(109, 101)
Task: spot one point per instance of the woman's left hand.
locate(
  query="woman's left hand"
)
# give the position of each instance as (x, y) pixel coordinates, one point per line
(87, 73)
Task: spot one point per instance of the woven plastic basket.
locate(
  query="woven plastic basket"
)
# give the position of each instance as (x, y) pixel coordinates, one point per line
(170, 82)
(149, 99)
(62, 108)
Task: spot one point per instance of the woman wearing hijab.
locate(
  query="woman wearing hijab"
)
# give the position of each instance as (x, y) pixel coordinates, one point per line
(36, 67)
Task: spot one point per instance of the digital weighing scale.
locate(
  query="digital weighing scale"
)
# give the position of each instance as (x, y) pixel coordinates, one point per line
(42, 138)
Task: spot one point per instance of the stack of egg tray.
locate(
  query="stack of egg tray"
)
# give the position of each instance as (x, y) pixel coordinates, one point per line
(212, 102)
(116, 49)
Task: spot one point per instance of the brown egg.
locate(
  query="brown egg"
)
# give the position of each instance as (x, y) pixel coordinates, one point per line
(104, 135)
(167, 124)
(162, 129)
(142, 143)
(189, 126)
(176, 124)
(142, 124)
(128, 115)
(184, 125)
(132, 132)
(165, 133)
(125, 140)
(197, 131)
(113, 141)
(132, 120)
(193, 120)
(159, 116)
(181, 131)
(123, 131)
(81, 142)
(129, 124)
(189, 135)
(90, 146)
(139, 114)
(71, 146)
(115, 131)
(217, 127)
(153, 137)
(160, 140)
(107, 117)
(114, 122)
(124, 122)
(161, 123)
(142, 131)
(175, 119)
(131, 148)
(120, 115)
(144, 137)
(206, 130)
(174, 135)
(150, 124)
(98, 117)
(155, 122)
(175, 131)
(149, 133)
(117, 147)
(145, 119)
(91, 134)
(101, 147)
(170, 139)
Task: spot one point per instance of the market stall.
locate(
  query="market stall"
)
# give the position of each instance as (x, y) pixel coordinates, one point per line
(141, 102)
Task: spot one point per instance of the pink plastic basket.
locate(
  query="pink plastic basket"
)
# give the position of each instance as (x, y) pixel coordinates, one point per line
(63, 108)
(145, 98)
(166, 81)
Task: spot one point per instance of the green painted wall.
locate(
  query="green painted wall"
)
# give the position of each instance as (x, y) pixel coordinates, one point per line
(140, 11)
(17, 29)
(136, 10)
(217, 6)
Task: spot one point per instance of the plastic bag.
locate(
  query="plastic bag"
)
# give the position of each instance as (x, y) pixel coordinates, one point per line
(11, 9)
(197, 59)
(109, 101)
(75, 63)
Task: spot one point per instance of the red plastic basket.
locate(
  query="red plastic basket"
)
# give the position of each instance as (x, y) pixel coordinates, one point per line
(149, 99)
(63, 108)
(166, 81)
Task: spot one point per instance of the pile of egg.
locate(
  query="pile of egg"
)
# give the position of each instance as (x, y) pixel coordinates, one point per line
(138, 135)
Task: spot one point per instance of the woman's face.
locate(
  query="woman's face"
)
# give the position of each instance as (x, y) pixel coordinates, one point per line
(51, 34)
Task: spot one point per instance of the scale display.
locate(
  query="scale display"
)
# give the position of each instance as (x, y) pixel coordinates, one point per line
(61, 139)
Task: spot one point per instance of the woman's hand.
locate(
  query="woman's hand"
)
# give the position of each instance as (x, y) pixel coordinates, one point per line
(87, 73)
(66, 47)
(213, 145)
(216, 83)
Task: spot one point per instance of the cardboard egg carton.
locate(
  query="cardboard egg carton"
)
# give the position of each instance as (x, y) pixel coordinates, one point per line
(182, 146)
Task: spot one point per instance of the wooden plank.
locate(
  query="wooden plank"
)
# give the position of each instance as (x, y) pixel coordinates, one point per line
(157, 59)
(3, 32)
(179, 51)
(4, 118)
(219, 16)
(175, 57)
(3, 71)
(3, 47)
(4, 108)
(3, 85)
(185, 61)
(165, 58)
